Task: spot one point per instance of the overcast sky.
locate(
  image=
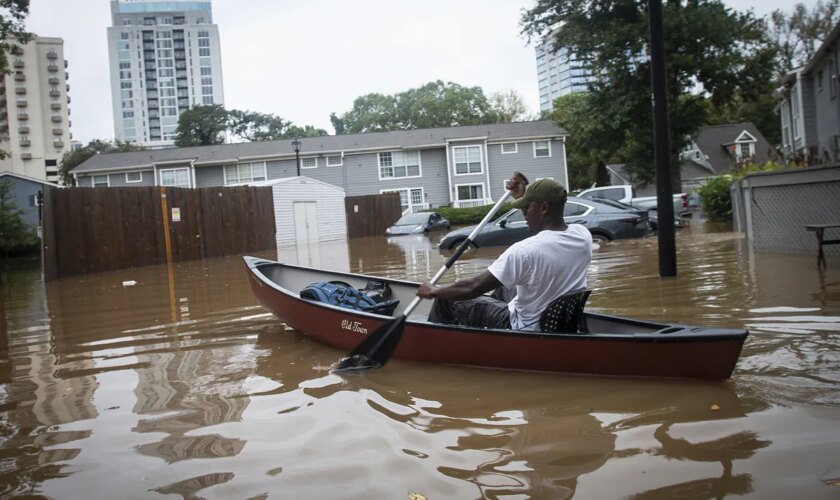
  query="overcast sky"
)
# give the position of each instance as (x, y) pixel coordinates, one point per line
(302, 60)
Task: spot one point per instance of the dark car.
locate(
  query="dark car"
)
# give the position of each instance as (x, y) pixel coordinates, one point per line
(418, 223)
(605, 222)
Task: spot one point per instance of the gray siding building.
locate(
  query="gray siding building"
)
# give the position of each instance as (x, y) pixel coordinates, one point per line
(24, 191)
(809, 108)
(452, 166)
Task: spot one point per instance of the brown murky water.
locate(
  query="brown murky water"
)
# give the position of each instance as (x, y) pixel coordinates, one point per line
(185, 387)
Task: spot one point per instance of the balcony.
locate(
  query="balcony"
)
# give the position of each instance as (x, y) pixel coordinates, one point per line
(20, 77)
(52, 68)
(58, 131)
(23, 130)
(18, 64)
(52, 55)
(20, 90)
(25, 143)
(55, 93)
(58, 144)
(22, 117)
(55, 119)
(471, 203)
(53, 80)
(21, 103)
(68, 87)
(68, 99)
(26, 156)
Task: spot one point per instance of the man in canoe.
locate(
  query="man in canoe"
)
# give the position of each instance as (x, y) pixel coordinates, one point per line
(540, 268)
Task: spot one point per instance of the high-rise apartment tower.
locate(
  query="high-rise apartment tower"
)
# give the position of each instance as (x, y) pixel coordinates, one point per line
(559, 72)
(165, 59)
(34, 117)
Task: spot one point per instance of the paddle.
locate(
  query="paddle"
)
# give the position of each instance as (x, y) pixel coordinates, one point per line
(376, 349)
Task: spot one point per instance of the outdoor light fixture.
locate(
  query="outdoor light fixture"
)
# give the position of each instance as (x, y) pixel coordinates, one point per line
(296, 146)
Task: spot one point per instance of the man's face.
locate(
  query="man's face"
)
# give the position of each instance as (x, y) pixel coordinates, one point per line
(534, 215)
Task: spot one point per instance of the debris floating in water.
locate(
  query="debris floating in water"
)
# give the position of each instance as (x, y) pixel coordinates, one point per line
(129, 283)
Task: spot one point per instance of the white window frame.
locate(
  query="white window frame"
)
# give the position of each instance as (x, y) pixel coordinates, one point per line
(340, 160)
(548, 143)
(107, 180)
(244, 173)
(459, 201)
(409, 207)
(515, 148)
(455, 163)
(128, 180)
(394, 165)
(303, 161)
(173, 170)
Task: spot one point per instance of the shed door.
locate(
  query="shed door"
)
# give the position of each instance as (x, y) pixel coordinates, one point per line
(306, 221)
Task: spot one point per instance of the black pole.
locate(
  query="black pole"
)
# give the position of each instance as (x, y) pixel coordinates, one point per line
(297, 158)
(662, 148)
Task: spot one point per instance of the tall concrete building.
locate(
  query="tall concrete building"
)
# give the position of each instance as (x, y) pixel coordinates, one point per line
(34, 114)
(560, 72)
(164, 58)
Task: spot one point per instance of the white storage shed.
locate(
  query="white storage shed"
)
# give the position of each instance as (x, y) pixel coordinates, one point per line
(307, 210)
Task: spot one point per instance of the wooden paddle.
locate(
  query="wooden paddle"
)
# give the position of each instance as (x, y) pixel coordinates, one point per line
(376, 349)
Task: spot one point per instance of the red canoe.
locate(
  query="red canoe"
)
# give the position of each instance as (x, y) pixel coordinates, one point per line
(612, 346)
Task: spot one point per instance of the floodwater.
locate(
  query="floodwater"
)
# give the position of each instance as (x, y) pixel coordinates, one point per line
(181, 386)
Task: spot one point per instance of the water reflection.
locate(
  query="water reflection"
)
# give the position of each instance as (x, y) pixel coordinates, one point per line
(182, 385)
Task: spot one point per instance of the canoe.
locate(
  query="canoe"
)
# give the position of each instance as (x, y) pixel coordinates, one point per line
(611, 346)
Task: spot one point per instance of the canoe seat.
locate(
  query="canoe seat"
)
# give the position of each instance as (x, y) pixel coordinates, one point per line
(565, 313)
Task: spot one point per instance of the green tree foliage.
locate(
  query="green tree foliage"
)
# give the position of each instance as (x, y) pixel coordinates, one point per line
(716, 199)
(509, 107)
(713, 53)
(798, 35)
(469, 215)
(72, 159)
(435, 104)
(202, 126)
(12, 30)
(15, 235)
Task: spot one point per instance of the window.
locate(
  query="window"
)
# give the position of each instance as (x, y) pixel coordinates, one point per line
(133, 177)
(832, 79)
(470, 192)
(206, 71)
(309, 162)
(334, 161)
(244, 173)
(175, 177)
(509, 147)
(610, 194)
(412, 198)
(123, 35)
(398, 164)
(100, 181)
(573, 209)
(467, 159)
(542, 149)
(204, 52)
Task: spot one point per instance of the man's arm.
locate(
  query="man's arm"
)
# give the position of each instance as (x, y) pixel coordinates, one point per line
(464, 289)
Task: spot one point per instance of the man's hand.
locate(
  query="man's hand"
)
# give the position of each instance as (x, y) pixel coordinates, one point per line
(426, 289)
(516, 184)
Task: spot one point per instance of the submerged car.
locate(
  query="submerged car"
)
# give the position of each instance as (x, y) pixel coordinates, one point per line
(418, 223)
(605, 222)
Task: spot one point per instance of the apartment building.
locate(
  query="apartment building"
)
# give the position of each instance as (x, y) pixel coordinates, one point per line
(559, 72)
(34, 112)
(164, 59)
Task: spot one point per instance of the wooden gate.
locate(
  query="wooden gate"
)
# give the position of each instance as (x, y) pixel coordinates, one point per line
(370, 215)
(89, 230)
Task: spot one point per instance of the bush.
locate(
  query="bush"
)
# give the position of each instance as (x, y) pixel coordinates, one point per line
(472, 215)
(715, 199)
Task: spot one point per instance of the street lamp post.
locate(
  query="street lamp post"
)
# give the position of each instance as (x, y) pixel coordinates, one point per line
(296, 146)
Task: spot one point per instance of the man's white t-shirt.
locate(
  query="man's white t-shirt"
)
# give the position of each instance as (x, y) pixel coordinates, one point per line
(543, 267)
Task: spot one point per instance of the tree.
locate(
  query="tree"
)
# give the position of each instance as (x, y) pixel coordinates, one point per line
(12, 32)
(713, 53)
(202, 126)
(15, 234)
(509, 107)
(798, 36)
(72, 159)
(435, 104)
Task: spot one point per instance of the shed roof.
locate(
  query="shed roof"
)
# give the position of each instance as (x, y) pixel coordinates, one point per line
(350, 143)
(27, 178)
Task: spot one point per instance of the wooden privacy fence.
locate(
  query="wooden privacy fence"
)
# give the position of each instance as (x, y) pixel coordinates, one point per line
(89, 230)
(370, 215)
